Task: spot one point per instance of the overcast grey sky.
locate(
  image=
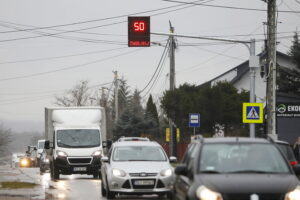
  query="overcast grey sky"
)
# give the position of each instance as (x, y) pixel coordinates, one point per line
(27, 86)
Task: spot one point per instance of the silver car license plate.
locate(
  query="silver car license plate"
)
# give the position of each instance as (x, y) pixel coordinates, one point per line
(144, 182)
(79, 169)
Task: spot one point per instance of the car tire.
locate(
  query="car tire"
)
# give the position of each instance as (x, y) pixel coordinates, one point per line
(109, 194)
(103, 191)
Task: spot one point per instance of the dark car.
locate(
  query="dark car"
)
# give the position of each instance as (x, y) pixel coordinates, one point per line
(235, 169)
(287, 150)
(44, 162)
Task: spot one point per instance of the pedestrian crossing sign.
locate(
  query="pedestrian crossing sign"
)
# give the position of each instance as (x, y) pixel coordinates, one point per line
(252, 113)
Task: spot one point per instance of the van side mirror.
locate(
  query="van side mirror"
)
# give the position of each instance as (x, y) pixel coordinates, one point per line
(34, 148)
(47, 144)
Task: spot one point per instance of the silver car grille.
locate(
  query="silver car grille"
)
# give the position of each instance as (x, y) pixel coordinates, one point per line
(142, 174)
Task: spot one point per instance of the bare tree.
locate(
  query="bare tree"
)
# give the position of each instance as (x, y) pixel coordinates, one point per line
(79, 95)
(5, 138)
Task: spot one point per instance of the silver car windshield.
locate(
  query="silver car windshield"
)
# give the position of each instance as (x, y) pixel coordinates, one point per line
(78, 138)
(242, 158)
(138, 153)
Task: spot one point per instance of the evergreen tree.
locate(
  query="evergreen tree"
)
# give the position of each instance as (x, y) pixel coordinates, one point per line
(131, 122)
(151, 110)
(295, 51)
(218, 105)
(151, 119)
(289, 79)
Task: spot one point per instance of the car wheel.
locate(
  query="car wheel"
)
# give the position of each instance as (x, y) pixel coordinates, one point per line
(103, 191)
(109, 194)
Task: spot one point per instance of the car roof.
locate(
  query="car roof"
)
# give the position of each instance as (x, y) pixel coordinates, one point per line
(136, 143)
(236, 140)
(133, 139)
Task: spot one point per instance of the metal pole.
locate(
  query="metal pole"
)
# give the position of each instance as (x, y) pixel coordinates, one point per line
(252, 83)
(116, 96)
(194, 131)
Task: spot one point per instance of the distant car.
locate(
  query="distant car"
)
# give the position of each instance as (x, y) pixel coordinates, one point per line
(236, 169)
(287, 150)
(25, 162)
(15, 159)
(40, 148)
(122, 139)
(136, 167)
(31, 153)
(44, 163)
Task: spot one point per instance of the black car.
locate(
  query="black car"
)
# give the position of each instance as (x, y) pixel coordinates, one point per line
(235, 169)
(287, 150)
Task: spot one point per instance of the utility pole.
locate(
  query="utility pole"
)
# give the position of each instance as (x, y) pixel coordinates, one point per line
(103, 97)
(271, 73)
(253, 64)
(116, 81)
(172, 87)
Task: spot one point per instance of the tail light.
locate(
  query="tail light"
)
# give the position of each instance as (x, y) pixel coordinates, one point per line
(292, 163)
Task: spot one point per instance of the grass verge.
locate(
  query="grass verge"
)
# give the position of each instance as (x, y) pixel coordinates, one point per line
(16, 185)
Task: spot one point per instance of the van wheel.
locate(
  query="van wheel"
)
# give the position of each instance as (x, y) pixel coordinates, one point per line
(96, 175)
(55, 173)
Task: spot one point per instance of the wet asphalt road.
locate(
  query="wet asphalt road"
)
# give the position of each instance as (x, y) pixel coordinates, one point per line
(69, 187)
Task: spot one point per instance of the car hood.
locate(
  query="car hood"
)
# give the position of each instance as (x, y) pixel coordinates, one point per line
(141, 166)
(248, 183)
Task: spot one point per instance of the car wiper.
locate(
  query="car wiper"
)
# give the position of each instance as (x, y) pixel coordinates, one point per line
(210, 172)
(137, 160)
(249, 172)
(64, 145)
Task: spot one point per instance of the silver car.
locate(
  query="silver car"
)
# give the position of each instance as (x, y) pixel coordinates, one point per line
(137, 167)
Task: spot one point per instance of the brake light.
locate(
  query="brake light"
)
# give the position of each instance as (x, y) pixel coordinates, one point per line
(292, 163)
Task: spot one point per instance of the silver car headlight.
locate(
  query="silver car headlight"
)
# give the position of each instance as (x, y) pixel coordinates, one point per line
(166, 172)
(203, 193)
(118, 172)
(294, 194)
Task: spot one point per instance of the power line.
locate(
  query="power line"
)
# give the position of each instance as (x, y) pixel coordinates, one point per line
(158, 66)
(59, 57)
(40, 96)
(157, 76)
(230, 7)
(94, 27)
(68, 68)
(97, 20)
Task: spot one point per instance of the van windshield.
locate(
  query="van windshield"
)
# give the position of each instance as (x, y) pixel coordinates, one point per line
(78, 138)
